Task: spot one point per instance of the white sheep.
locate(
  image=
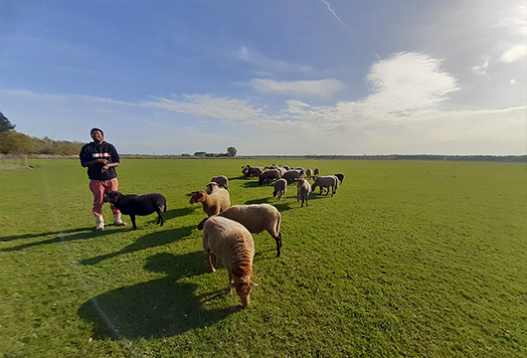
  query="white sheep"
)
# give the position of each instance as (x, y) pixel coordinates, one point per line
(211, 187)
(328, 181)
(232, 244)
(303, 191)
(309, 173)
(256, 218)
(222, 180)
(280, 188)
(214, 203)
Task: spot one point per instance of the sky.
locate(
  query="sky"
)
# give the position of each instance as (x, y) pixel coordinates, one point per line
(269, 77)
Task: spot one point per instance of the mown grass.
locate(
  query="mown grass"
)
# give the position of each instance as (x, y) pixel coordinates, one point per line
(408, 259)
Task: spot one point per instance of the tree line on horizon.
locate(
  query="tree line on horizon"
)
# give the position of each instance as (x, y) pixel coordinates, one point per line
(13, 142)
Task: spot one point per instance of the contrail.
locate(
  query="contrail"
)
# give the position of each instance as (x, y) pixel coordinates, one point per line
(333, 12)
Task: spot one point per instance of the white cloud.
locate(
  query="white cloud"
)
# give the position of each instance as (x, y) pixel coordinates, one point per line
(208, 106)
(266, 64)
(33, 96)
(512, 82)
(409, 81)
(481, 70)
(295, 103)
(514, 53)
(324, 88)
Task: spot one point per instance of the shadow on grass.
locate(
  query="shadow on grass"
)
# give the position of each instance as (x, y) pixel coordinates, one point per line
(159, 308)
(82, 234)
(145, 242)
(34, 236)
(175, 213)
(252, 184)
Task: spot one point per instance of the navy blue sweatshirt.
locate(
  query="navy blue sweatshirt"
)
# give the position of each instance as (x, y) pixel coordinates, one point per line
(92, 151)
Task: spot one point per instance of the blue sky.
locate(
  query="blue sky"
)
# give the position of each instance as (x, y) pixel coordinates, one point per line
(269, 77)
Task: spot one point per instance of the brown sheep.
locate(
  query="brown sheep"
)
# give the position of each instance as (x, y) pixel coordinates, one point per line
(222, 180)
(232, 244)
(214, 203)
(256, 218)
(280, 188)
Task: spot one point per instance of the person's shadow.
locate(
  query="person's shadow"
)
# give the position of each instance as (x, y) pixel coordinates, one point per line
(159, 308)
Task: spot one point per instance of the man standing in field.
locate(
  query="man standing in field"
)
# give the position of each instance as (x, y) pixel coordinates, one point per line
(101, 159)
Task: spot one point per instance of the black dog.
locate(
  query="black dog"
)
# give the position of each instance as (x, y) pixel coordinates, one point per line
(138, 205)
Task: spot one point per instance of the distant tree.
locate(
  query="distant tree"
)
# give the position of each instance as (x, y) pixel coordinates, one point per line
(5, 125)
(16, 143)
(232, 151)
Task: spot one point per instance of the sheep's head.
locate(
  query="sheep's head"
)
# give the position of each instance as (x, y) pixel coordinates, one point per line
(197, 197)
(112, 197)
(244, 291)
(211, 187)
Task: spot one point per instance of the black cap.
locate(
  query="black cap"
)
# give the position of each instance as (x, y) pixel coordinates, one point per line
(96, 129)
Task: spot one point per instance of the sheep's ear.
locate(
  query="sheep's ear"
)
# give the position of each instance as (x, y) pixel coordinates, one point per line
(254, 284)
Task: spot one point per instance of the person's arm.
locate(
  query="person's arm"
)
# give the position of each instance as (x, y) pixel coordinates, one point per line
(95, 162)
(109, 165)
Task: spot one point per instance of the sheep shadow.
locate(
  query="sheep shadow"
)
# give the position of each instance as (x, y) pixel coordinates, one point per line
(174, 213)
(61, 236)
(253, 184)
(159, 308)
(145, 242)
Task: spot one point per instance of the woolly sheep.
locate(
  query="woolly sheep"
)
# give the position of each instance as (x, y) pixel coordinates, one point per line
(269, 175)
(232, 244)
(249, 171)
(221, 180)
(211, 187)
(309, 173)
(316, 172)
(280, 188)
(292, 175)
(214, 203)
(256, 218)
(328, 181)
(138, 205)
(303, 191)
(340, 177)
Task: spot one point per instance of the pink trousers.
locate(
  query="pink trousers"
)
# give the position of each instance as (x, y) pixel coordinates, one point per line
(98, 188)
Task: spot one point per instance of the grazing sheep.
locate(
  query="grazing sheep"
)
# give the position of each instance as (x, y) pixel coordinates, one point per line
(233, 245)
(316, 172)
(141, 205)
(340, 177)
(221, 180)
(292, 175)
(249, 171)
(309, 173)
(268, 175)
(301, 169)
(280, 188)
(214, 203)
(328, 181)
(303, 191)
(211, 187)
(256, 218)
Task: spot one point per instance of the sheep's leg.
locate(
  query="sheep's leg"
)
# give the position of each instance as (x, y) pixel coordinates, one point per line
(210, 262)
(160, 218)
(278, 240)
(132, 218)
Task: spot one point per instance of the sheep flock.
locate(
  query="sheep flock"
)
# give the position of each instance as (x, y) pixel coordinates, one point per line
(227, 230)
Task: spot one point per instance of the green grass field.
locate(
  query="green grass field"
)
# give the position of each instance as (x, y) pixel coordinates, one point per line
(408, 259)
